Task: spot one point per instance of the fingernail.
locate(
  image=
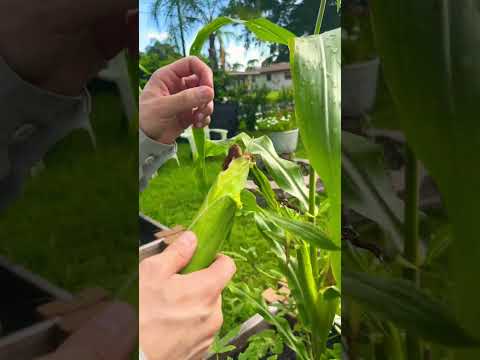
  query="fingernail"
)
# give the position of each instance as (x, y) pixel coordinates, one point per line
(205, 93)
(187, 239)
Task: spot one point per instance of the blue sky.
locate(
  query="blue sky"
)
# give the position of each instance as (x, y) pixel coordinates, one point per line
(235, 49)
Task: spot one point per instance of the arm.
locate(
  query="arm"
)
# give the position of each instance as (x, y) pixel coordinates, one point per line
(175, 97)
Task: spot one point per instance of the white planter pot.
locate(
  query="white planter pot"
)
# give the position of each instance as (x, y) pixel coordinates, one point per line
(284, 142)
(359, 87)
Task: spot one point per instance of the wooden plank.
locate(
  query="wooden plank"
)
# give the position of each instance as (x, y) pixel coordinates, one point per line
(27, 344)
(83, 299)
(35, 280)
(252, 326)
(151, 249)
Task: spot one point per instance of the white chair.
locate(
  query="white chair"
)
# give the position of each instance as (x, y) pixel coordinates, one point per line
(188, 134)
(116, 71)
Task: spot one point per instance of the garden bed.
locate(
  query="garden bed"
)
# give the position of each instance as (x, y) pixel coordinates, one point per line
(24, 334)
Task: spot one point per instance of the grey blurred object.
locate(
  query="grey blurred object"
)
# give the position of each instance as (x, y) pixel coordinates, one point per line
(359, 87)
(284, 142)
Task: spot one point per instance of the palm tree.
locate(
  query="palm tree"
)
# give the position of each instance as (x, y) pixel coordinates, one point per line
(174, 12)
(252, 64)
(237, 67)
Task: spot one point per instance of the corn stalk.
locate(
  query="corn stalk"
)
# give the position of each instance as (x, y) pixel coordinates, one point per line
(308, 253)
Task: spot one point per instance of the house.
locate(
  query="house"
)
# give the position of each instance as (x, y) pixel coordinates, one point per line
(274, 77)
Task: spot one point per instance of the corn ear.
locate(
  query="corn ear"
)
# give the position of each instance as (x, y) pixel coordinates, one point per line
(215, 219)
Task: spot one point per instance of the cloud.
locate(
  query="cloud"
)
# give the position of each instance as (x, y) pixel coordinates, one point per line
(159, 36)
(238, 54)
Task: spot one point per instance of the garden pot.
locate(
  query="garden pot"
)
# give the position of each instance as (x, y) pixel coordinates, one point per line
(284, 142)
(225, 116)
(24, 334)
(359, 87)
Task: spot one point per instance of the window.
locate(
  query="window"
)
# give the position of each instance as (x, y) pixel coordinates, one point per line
(288, 75)
(269, 77)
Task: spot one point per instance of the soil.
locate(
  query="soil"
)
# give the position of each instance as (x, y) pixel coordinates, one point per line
(18, 302)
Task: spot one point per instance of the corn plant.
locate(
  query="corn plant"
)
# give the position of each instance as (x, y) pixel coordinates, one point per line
(435, 93)
(305, 235)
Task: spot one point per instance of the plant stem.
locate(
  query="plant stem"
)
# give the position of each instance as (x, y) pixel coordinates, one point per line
(412, 238)
(309, 286)
(321, 12)
(312, 187)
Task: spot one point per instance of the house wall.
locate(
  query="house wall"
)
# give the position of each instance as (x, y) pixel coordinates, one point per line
(277, 80)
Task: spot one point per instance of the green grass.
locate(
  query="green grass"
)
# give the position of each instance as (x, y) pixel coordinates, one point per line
(173, 197)
(76, 223)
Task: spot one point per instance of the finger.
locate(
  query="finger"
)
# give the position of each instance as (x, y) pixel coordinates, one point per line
(110, 335)
(213, 279)
(187, 100)
(175, 257)
(201, 114)
(191, 81)
(192, 65)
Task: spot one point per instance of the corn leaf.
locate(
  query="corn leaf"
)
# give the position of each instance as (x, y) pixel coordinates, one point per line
(264, 30)
(434, 78)
(303, 230)
(315, 62)
(285, 173)
(404, 304)
(367, 189)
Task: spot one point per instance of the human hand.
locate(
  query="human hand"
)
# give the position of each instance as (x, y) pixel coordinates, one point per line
(110, 335)
(60, 45)
(176, 96)
(180, 314)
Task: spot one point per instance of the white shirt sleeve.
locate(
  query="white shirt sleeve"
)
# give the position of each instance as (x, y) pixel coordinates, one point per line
(32, 121)
(151, 155)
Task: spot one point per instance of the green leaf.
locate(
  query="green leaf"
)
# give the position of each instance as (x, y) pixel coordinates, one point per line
(262, 28)
(265, 188)
(200, 138)
(285, 173)
(204, 33)
(268, 31)
(404, 304)
(434, 79)
(367, 188)
(315, 62)
(303, 230)
(281, 325)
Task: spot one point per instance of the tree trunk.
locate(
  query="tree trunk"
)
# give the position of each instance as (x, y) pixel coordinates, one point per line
(212, 53)
(180, 23)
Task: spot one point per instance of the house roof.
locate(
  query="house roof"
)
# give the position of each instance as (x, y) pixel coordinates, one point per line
(284, 66)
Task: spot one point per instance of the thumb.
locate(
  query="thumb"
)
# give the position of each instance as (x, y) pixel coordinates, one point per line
(177, 255)
(186, 100)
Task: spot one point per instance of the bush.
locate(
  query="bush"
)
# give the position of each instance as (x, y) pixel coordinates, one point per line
(280, 120)
(250, 101)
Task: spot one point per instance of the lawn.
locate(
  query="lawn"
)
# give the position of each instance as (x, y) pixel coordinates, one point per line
(173, 198)
(76, 223)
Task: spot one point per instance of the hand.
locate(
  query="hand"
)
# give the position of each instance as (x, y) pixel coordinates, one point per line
(111, 335)
(175, 97)
(180, 314)
(59, 45)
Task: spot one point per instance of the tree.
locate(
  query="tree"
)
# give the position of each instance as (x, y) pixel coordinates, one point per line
(237, 67)
(156, 55)
(252, 64)
(297, 16)
(175, 14)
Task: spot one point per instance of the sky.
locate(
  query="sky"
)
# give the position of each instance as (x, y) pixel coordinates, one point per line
(235, 49)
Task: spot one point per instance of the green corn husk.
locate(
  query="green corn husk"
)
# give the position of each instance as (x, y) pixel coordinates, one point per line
(214, 221)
